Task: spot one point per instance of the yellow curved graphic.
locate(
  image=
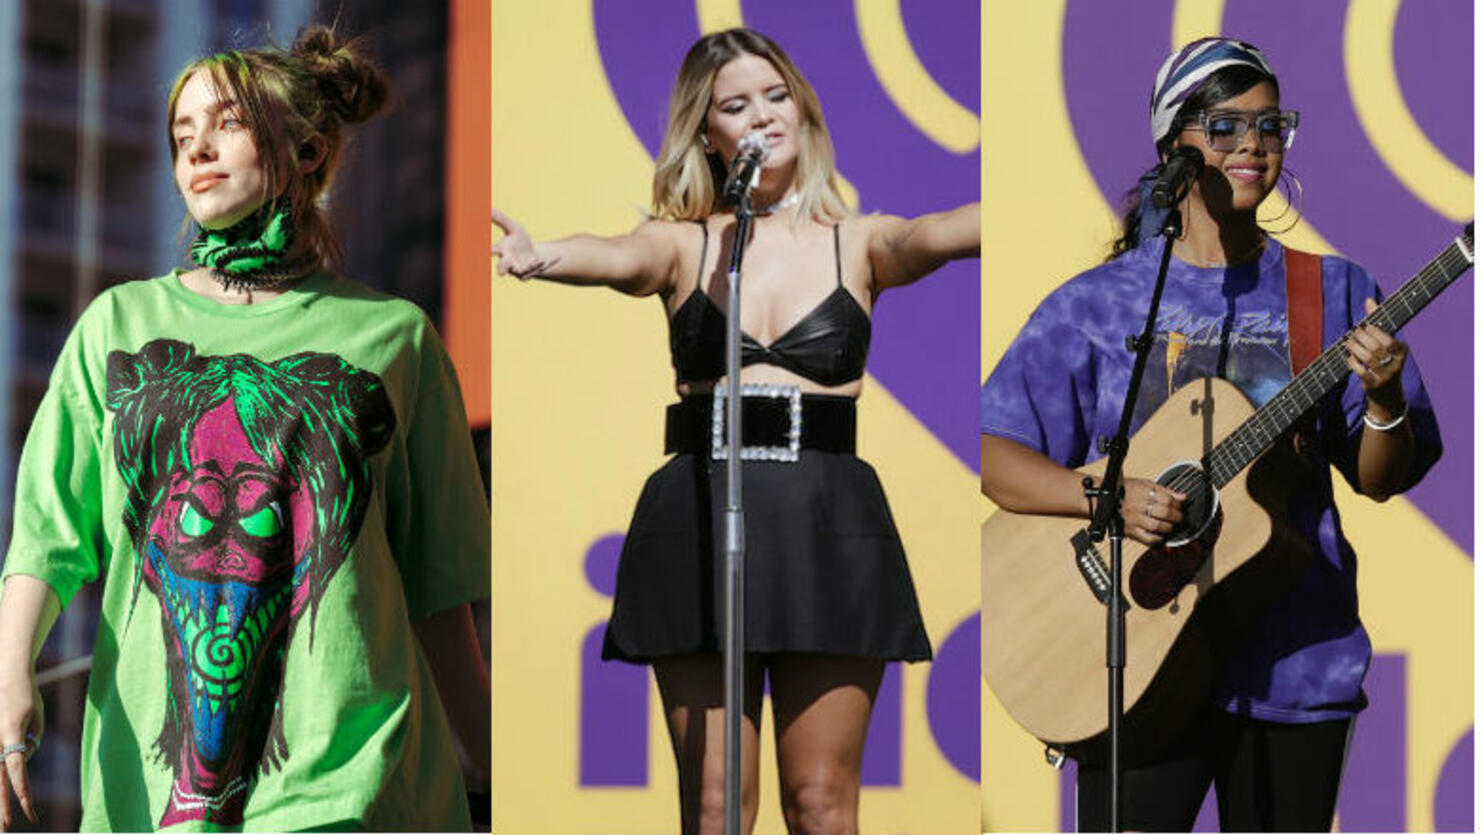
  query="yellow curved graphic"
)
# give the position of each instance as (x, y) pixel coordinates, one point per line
(718, 15)
(1372, 81)
(908, 83)
(1276, 214)
(1193, 19)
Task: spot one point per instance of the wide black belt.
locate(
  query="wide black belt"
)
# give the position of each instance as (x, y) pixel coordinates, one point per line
(775, 421)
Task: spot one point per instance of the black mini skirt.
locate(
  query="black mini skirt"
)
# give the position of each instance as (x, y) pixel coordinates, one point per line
(825, 569)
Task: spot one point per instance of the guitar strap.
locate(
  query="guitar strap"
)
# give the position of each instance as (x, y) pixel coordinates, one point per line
(1305, 315)
(1303, 302)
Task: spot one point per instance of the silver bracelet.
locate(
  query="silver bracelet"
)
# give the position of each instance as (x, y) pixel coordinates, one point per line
(1384, 427)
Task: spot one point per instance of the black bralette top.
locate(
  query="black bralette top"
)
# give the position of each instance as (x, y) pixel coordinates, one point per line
(828, 346)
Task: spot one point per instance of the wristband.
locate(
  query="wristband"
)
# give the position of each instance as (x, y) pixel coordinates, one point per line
(1384, 427)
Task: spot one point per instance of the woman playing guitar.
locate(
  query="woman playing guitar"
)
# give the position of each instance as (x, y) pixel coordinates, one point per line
(1287, 685)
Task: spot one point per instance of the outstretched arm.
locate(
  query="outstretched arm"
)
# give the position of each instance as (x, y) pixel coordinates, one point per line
(28, 608)
(450, 643)
(639, 263)
(903, 251)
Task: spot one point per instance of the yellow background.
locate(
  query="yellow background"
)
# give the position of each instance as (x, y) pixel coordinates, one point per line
(1415, 584)
(580, 377)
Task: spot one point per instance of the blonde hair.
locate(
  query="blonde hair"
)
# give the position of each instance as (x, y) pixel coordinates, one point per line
(689, 178)
(289, 98)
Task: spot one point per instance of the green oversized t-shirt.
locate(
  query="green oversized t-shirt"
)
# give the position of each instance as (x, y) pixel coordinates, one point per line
(270, 493)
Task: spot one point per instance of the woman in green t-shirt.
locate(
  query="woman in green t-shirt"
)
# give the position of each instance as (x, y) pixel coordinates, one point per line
(269, 466)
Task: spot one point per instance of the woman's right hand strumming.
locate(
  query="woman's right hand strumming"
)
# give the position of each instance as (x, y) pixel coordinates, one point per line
(1024, 480)
(1150, 510)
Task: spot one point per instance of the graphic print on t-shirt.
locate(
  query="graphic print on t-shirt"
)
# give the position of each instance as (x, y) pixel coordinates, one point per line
(1250, 350)
(247, 483)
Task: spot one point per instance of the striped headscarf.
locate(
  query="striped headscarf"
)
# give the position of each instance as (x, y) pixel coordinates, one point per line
(1188, 68)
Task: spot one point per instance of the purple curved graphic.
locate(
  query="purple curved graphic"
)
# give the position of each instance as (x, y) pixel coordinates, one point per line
(953, 698)
(925, 338)
(1440, 94)
(941, 40)
(1454, 805)
(601, 563)
(1351, 196)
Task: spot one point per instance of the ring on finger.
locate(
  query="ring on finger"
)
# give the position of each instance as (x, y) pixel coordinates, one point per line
(15, 748)
(1386, 360)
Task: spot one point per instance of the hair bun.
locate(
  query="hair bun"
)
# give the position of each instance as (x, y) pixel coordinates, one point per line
(352, 84)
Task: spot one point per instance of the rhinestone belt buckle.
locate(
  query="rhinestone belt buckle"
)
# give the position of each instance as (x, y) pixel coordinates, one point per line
(719, 449)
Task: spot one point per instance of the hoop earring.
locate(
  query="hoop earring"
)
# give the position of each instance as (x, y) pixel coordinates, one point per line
(1297, 203)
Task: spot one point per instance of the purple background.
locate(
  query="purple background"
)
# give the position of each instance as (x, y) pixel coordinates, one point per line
(925, 340)
(1111, 53)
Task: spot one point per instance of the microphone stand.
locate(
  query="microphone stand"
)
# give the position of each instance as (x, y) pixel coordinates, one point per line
(1104, 502)
(734, 526)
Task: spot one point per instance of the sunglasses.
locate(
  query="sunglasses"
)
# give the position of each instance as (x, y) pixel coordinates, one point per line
(1225, 129)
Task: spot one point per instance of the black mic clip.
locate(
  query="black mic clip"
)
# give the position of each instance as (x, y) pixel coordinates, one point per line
(1178, 173)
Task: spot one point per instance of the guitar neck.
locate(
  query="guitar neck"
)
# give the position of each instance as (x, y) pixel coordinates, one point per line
(1259, 432)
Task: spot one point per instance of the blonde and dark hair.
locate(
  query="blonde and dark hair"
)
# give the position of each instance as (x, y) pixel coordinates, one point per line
(295, 103)
(689, 177)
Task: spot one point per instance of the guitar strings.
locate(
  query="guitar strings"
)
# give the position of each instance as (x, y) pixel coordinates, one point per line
(1443, 268)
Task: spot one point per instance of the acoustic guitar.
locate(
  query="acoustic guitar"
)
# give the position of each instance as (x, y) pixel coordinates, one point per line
(1045, 585)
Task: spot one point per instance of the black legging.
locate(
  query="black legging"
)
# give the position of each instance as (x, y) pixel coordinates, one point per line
(1270, 776)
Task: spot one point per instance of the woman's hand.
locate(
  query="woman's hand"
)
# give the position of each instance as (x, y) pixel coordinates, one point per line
(1024, 480)
(1387, 448)
(20, 724)
(640, 263)
(28, 608)
(516, 253)
(1377, 358)
(1150, 510)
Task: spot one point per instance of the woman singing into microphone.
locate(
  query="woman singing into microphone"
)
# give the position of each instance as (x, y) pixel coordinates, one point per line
(268, 467)
(829, 596)
(1287, 687)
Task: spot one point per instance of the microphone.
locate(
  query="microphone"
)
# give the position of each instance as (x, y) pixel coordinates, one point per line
(1181, 168)
(745, 171)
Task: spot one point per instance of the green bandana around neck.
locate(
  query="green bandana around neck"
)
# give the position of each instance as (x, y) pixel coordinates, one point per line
(254, 248)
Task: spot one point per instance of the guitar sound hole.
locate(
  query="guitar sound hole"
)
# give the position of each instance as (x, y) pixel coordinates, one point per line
(1160, 573)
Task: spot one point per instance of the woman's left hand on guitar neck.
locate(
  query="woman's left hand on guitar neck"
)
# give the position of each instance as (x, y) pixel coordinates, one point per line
(1386, 451)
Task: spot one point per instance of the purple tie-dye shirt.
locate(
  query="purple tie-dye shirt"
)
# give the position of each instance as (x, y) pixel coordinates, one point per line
(1061, 384)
